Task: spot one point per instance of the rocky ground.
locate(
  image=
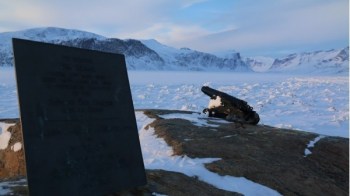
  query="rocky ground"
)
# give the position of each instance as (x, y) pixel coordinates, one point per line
(266, 155)
(12, 164)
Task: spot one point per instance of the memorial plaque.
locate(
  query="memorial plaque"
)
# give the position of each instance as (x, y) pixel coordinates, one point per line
(79, 128)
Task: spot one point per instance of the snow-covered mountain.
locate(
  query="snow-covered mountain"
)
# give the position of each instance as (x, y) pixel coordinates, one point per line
(331, 61)
(145, 55)
(138, 56)
(319, 62)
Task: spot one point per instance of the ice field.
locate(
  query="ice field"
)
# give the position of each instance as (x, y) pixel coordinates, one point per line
(317, 104)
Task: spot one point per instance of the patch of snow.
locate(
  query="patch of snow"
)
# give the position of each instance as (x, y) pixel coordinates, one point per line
(228, 136)
(196, 119)
(5, 187)
(4, 190)
(157, 194)
(158, 155)
(213, 103)
(312, 144)
(5, 135)
(17, 146)
(307, 152)
(283, 126)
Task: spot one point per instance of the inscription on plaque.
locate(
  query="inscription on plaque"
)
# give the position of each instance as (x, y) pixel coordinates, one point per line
(79, 128)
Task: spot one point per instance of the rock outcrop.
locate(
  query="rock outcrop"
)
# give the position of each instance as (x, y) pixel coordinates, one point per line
(269, 156)
(273, 157)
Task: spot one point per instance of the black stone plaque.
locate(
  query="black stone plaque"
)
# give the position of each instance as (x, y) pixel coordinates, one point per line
(79, 128)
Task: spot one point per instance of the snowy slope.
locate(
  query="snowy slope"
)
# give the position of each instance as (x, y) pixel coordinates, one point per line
(332, 61)
(187, 59)
(259, 63)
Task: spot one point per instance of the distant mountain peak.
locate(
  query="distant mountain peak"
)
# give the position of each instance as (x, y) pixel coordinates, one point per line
(54, 33)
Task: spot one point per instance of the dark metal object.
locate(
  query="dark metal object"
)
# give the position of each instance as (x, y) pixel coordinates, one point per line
(231, 108)
(79, 127)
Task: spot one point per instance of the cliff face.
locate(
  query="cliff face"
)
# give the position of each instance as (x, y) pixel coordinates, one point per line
(288, 161)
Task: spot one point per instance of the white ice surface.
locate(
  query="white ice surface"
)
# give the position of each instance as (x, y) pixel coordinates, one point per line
(158, 155)
(318, 104)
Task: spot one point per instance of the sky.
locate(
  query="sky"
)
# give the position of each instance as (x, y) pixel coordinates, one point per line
(251, 27)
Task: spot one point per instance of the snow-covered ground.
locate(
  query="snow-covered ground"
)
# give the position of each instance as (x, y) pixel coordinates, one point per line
(317, 104)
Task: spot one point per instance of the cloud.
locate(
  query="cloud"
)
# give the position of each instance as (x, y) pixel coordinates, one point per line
(170, 33)
(189, 3)
(86, 15)
(27, 15)
(206, 25)
(280, 26)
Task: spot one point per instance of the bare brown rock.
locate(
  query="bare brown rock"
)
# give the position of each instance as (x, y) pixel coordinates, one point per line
(12, 164)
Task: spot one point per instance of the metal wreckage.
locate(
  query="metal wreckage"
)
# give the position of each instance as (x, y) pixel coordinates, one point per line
(229, 108)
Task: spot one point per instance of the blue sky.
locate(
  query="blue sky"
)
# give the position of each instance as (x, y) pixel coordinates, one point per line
(260, 27)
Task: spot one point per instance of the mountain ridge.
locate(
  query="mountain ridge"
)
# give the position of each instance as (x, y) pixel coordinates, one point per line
(138, 55)
(153, 55)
